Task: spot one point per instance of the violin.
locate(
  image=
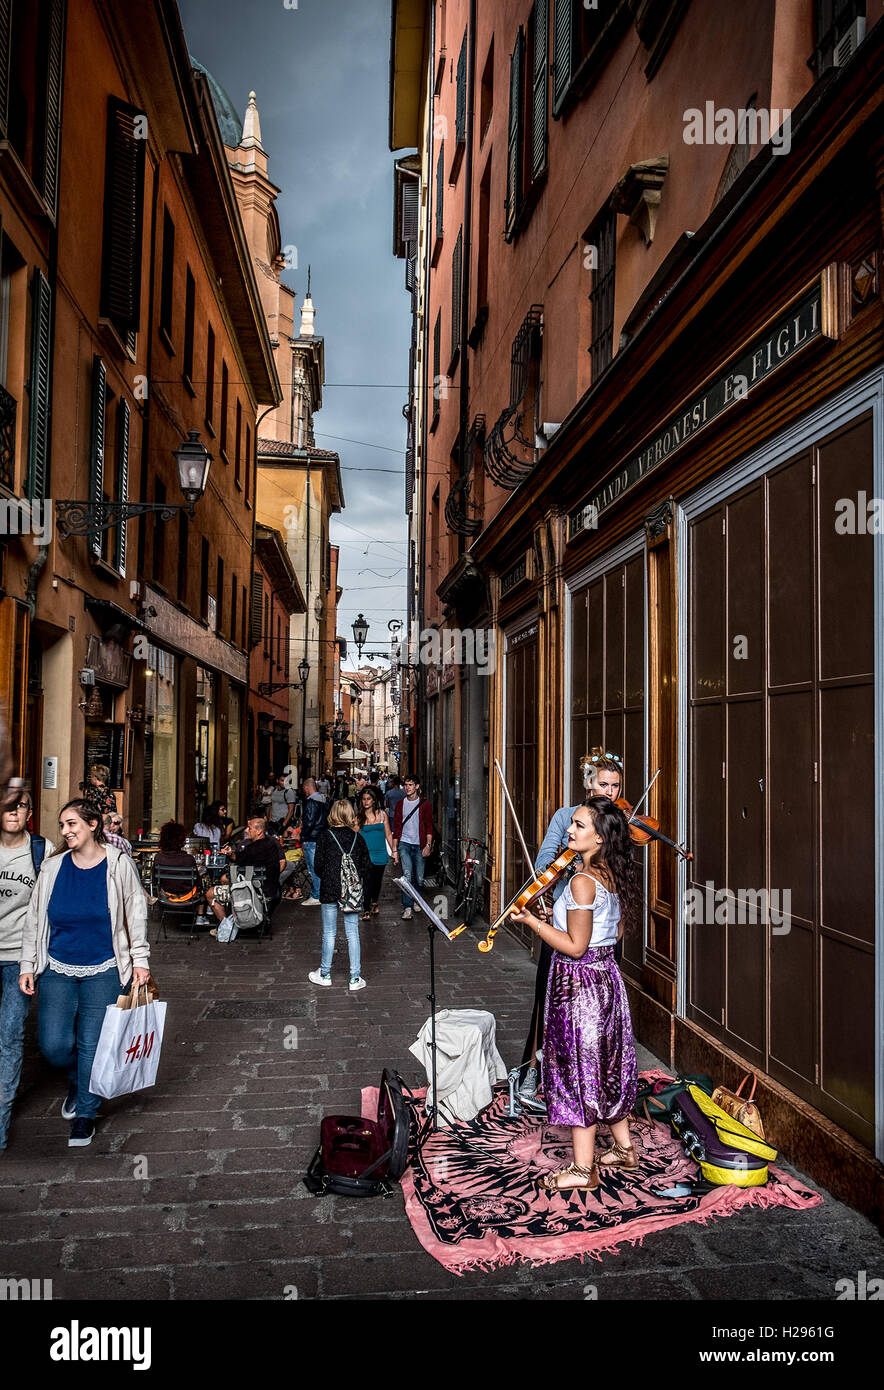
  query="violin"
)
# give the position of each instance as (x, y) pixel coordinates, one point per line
(531, 892)
(644, 828)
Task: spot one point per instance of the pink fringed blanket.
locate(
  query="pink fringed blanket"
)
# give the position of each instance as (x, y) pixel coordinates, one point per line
(477, 1206)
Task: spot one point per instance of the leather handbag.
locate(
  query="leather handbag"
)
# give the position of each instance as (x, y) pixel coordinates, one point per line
(740, 1107)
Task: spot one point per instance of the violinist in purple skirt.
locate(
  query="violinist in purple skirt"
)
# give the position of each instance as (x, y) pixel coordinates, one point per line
(589, 1067)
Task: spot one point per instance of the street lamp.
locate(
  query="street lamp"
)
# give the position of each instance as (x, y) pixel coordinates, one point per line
(192, 460)
(303, 672)
(360, 633)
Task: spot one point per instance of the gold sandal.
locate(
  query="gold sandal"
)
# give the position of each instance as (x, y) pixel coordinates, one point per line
(619, 1156)
(549, 1181)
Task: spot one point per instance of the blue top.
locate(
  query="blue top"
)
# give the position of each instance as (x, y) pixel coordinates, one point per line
(79, 917)
(554, 841)
(394, 795)
(376, 838)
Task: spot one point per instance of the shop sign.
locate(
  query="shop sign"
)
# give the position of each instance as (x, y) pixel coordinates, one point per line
(517, 575)
(524, 635)
(788, 335)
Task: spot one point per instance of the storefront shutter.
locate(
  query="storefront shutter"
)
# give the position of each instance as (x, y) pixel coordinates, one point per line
(514, 139)
(123, 218)
(563, 21)
(96, 468)
(541, 87)
(5, 41)
(256, 611)
(41, 365)
(52, 142)
(123, 477)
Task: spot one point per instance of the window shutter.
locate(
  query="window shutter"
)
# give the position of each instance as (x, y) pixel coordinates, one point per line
(256, 612)
(456, 266)
(514, 139)
(440, 189)
(541, 87)
(52, 140)
(461, 116)
(409, 210)
(96, 473)
(437, 349)
(5, 42)
(123, 484)
(563, 21)
(123, 212)
(41, 366)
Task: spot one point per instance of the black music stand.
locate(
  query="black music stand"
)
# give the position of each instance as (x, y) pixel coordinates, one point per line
(434, 924)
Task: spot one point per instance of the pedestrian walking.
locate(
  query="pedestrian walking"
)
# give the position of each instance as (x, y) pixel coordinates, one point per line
(113, 832)
(85, 935)
(313, 822)
(21, 855)
(589, 1064)
(359, 786)
(375, 830)
(282, 805)
(342, 860)
(395, 792)
(412, 838)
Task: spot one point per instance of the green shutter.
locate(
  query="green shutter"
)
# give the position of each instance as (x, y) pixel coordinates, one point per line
(461, 112)
(123, 218)
(514, 138)
(256, 612)
(39, 386)
(52, 142)
(5, 41)
(440, 189)
(541, 87)
(456, 269)
(563, 22)
(123, 417)
(96, 466)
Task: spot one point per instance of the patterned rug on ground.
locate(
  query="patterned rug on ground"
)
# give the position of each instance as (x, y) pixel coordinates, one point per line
(475, 1205)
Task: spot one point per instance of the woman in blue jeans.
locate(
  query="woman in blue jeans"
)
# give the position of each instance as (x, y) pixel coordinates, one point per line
(85, 935)
(340, 837)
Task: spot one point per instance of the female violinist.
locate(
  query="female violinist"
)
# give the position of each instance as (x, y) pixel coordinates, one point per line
(602, 774)
(589, 1065)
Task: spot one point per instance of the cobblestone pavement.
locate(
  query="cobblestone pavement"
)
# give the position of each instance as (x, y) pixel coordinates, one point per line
(193, 1190)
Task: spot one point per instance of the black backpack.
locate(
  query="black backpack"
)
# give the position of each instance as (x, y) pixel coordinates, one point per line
(364, 1158)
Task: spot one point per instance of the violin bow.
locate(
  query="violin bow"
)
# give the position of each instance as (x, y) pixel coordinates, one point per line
(643, 796)
(509, 802)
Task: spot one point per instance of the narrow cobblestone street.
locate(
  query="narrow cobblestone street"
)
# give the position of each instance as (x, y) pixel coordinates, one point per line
(193, 1190)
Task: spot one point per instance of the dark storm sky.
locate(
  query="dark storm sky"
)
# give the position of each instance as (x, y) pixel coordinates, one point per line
(321, 77)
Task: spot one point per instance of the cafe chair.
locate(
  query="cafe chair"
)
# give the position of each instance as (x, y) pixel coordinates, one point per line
(178, 894)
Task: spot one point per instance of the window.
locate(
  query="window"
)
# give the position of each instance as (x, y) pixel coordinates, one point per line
(219, 596)
(833, 20)
(97, 540)
(121, 483)
(204, 580)
(167, 279)
(437, 380)
(286, 648)
(584, 40)
(486, 94)
(482, 259)
(183, 547)
(159, 535)
(41, 361)
(234, 595)
(527, 131)
(236, 444)
(31, 50)
(603, 237)
(248, 464)
(456, 285)
(225, 382)
(460, 119)
(440, 200)
(243, 617)
(189, 304)
(265, 631)
(210, 380)
(123, 218)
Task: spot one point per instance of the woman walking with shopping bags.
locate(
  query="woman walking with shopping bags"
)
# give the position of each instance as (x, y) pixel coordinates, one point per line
(86, 938)
(374, 828)
(340, 864)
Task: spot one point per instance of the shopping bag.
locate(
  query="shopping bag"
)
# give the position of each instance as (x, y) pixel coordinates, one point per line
(128, 1051)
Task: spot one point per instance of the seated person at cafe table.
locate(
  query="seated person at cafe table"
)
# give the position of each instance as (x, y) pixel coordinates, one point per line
(172, 855)
(261, 851)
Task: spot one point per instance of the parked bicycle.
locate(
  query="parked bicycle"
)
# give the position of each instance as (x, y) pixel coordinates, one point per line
(470, 876)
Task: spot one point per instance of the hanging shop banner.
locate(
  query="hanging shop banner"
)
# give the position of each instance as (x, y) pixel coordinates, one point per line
(800, 326)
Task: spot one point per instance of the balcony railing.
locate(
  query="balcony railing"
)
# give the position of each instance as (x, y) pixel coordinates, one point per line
(8, 408)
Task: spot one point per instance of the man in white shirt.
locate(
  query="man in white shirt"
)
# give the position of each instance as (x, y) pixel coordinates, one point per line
(282, 805)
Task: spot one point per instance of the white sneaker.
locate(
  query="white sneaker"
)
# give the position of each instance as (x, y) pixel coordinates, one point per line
(416, 908)
(310, 902)
(358, 983)
(317, 977)
(406, 916)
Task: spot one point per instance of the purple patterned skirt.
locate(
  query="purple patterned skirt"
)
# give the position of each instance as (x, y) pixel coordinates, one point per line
(589, 1067)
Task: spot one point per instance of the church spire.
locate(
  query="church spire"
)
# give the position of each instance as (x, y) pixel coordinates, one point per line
(251, 127)
(308, 313)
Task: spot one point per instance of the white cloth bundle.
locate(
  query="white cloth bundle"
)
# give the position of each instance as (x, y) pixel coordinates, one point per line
(467, 1061)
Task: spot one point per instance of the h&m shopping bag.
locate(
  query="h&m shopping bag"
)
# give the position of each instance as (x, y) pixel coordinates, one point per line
(128, 1051)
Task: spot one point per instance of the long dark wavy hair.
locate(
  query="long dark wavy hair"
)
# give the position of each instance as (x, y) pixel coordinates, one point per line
(87, 812)
(616, 853)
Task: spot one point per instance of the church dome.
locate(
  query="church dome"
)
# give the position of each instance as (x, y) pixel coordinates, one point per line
(229, 120)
